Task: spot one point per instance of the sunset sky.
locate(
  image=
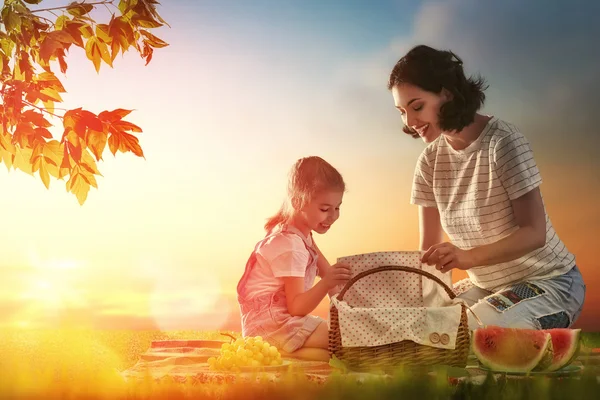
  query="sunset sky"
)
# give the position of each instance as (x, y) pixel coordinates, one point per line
(246, 88)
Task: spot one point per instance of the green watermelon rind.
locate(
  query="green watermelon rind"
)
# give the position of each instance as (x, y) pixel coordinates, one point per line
(570, 355)
(544, 355)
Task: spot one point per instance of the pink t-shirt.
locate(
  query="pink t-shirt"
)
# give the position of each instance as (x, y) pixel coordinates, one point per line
(280, 256)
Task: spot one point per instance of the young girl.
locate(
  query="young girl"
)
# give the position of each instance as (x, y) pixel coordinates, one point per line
(478, 181)
(276, 292)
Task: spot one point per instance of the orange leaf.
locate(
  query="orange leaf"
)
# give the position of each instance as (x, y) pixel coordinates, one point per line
(36, 117)
(96, 142)
(130, 143)
(114, 115)
(126, 126)
(74, 151)
(114, 143)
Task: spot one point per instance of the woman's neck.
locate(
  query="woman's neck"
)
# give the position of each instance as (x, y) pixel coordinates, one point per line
(461, 140)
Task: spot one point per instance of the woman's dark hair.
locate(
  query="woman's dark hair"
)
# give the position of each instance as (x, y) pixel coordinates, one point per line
(433, 70)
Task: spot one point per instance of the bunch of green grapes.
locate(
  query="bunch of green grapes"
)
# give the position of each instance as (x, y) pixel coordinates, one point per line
(246, 352)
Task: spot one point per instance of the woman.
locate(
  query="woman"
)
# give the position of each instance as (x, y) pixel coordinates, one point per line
(477, 181)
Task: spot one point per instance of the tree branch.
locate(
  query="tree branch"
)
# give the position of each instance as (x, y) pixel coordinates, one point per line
(44, 110)
(65, 7)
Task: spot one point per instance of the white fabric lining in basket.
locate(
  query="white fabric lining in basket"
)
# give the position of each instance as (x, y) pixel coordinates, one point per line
(392, 306)
(366, 327)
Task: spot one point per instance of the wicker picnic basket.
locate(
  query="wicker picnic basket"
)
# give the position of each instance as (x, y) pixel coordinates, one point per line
(405, 352)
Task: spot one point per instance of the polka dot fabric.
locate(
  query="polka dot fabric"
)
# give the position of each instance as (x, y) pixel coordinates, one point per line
(430, 326)
(392, 306)
(385, 289)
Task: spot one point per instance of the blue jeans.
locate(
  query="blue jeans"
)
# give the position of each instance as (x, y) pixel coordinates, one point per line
(538, 304)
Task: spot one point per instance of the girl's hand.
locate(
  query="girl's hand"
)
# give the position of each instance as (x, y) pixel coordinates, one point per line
(446, 256)
(337, 274)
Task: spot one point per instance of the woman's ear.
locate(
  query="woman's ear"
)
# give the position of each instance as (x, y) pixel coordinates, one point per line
(446, 95)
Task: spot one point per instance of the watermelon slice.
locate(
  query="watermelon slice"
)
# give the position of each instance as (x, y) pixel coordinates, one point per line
(565, 344)
(512, 349)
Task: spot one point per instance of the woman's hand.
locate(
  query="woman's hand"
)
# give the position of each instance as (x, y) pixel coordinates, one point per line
(446, 256)
(337, 274)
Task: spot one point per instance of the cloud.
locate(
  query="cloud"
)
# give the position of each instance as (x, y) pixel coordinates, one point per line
(540, 60)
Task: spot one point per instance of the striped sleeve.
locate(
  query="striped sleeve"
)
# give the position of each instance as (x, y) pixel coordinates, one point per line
(515, 165)
(422, 188)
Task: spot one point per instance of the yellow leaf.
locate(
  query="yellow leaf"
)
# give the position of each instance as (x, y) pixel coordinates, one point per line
(7, 158)
(92, 51)
(88, 162)
(52, 93)
(22, 160)
(44, 175)
(60, 22)
(54, 151)
(79, 187)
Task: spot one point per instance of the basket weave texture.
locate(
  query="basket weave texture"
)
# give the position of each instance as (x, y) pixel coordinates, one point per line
(406, 352)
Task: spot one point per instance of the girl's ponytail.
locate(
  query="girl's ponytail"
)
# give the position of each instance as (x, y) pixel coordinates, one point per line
(279, 218)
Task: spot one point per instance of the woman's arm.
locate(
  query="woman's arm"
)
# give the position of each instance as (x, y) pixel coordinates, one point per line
(430, 227)
(530, 217)
(531, 234)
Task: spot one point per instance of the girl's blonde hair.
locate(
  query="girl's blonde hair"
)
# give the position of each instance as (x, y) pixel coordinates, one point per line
(308, 176)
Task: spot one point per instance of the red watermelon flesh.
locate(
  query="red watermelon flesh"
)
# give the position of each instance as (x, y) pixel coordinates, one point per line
(565, 345)
(512, 349)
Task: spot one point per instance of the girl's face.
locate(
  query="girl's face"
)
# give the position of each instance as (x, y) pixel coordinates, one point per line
(420, 109)
(324, 209)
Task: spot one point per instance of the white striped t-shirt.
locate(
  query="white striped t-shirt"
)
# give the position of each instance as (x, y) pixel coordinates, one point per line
(473, 189)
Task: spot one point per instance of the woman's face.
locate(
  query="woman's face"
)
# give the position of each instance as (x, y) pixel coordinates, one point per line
(420, 109)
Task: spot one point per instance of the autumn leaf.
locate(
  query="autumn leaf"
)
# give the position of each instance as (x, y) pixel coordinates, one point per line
(61, 22)
(114, 115)
(96, 50)
(53, 42)
(97, 142)
(44, 175)
(22, 159)
(78, 186)
(6, 157)
(30, 89)
(153, 40)
(36, 118)
(10, 19)
(79, 9)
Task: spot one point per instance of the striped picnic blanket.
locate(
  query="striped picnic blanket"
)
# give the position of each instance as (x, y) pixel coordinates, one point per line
(183, 360)
(187, 359)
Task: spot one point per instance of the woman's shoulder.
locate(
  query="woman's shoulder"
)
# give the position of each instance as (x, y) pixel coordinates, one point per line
(501, 129)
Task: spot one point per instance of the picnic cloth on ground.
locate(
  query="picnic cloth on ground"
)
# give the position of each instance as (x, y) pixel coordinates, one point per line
(392, 306)
(183, 359)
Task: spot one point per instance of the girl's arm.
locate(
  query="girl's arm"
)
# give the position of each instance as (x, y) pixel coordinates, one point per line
(531, 234)
(322, 263)
(299, 302)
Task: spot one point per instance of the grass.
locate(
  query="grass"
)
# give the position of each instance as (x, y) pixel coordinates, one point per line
(86, 364)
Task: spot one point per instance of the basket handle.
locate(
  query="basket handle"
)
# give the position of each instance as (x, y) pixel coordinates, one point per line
(395, 268)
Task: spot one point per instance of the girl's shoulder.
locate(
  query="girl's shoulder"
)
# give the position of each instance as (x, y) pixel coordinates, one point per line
(279, 243)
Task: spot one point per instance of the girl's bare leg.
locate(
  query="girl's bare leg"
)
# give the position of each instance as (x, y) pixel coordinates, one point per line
(316, 346)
